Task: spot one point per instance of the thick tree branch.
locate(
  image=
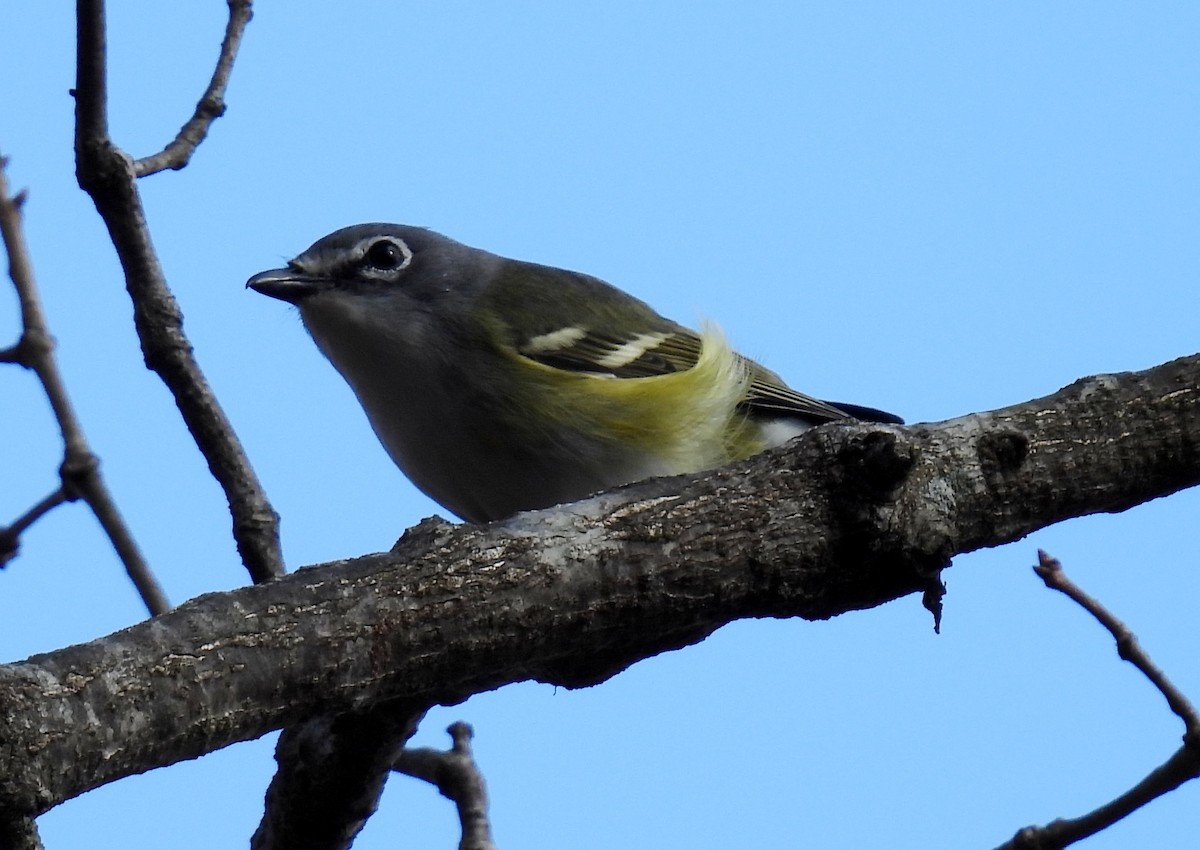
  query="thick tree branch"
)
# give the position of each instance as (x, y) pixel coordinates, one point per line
(19, 833)
(331, 773)
(108, 174)
(847, 516)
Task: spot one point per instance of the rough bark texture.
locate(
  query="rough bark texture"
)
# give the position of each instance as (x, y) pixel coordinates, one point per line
(846, 517)
(332, 770)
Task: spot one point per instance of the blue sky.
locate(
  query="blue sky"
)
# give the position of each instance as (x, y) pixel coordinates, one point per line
(934, 208)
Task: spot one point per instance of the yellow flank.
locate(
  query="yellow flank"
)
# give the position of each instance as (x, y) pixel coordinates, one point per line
(687, 420)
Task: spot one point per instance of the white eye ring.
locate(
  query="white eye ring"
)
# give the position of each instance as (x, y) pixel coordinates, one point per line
(385, 256)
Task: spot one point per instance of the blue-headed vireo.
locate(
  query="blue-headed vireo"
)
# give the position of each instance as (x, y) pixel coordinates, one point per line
(499, 386)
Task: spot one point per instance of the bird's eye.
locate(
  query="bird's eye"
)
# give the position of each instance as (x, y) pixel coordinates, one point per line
(386, 255)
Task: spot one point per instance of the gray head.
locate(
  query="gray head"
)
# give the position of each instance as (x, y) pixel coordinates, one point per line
(385, 303)
(380, 260)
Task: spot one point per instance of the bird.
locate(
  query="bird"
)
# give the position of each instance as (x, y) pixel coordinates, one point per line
(499, 386)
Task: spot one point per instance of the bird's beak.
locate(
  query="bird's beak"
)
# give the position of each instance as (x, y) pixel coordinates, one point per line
(285, 284)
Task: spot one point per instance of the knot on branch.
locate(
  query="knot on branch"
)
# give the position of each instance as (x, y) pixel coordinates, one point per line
(874, 464)
(100, 166)
(211, 107)
(1001, 453)
(32, 349)
(1030, 838)
(871, 466)
(431, 532)
(76, 472)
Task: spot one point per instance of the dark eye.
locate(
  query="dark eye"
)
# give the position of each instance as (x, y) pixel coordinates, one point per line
(385, 255)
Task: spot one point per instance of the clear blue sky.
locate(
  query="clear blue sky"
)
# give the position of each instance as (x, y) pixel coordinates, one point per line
(933, 208)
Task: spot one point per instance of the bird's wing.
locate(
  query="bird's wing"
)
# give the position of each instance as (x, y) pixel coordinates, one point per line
(586, 328)
(661, 351)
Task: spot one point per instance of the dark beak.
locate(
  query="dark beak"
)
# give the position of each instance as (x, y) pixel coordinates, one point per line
(285, 284)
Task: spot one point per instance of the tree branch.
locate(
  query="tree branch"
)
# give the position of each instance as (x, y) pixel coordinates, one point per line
(10, 535)
(211, 105)
(108, 175)
(19, 833)
(845, 517)
(80, 470)
(1182, 766)
(331, 773)
(458, 778)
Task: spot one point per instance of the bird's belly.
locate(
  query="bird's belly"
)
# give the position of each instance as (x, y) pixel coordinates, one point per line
(481, 472)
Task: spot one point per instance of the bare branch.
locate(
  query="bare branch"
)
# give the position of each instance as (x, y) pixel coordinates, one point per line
(1182, 766)
(458, 778)
(212, 103)
(845, 517)
(1128, 648)
(91, 78)
(331, 772)
(80, 469)
(107, 174)
(10, 535)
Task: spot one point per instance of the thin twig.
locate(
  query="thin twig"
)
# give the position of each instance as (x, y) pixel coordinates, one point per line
(458, 778)
(211, 105)
(1051, 572)
(1181, 767)
(10, 535)
(107, 174)
(80, 470)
